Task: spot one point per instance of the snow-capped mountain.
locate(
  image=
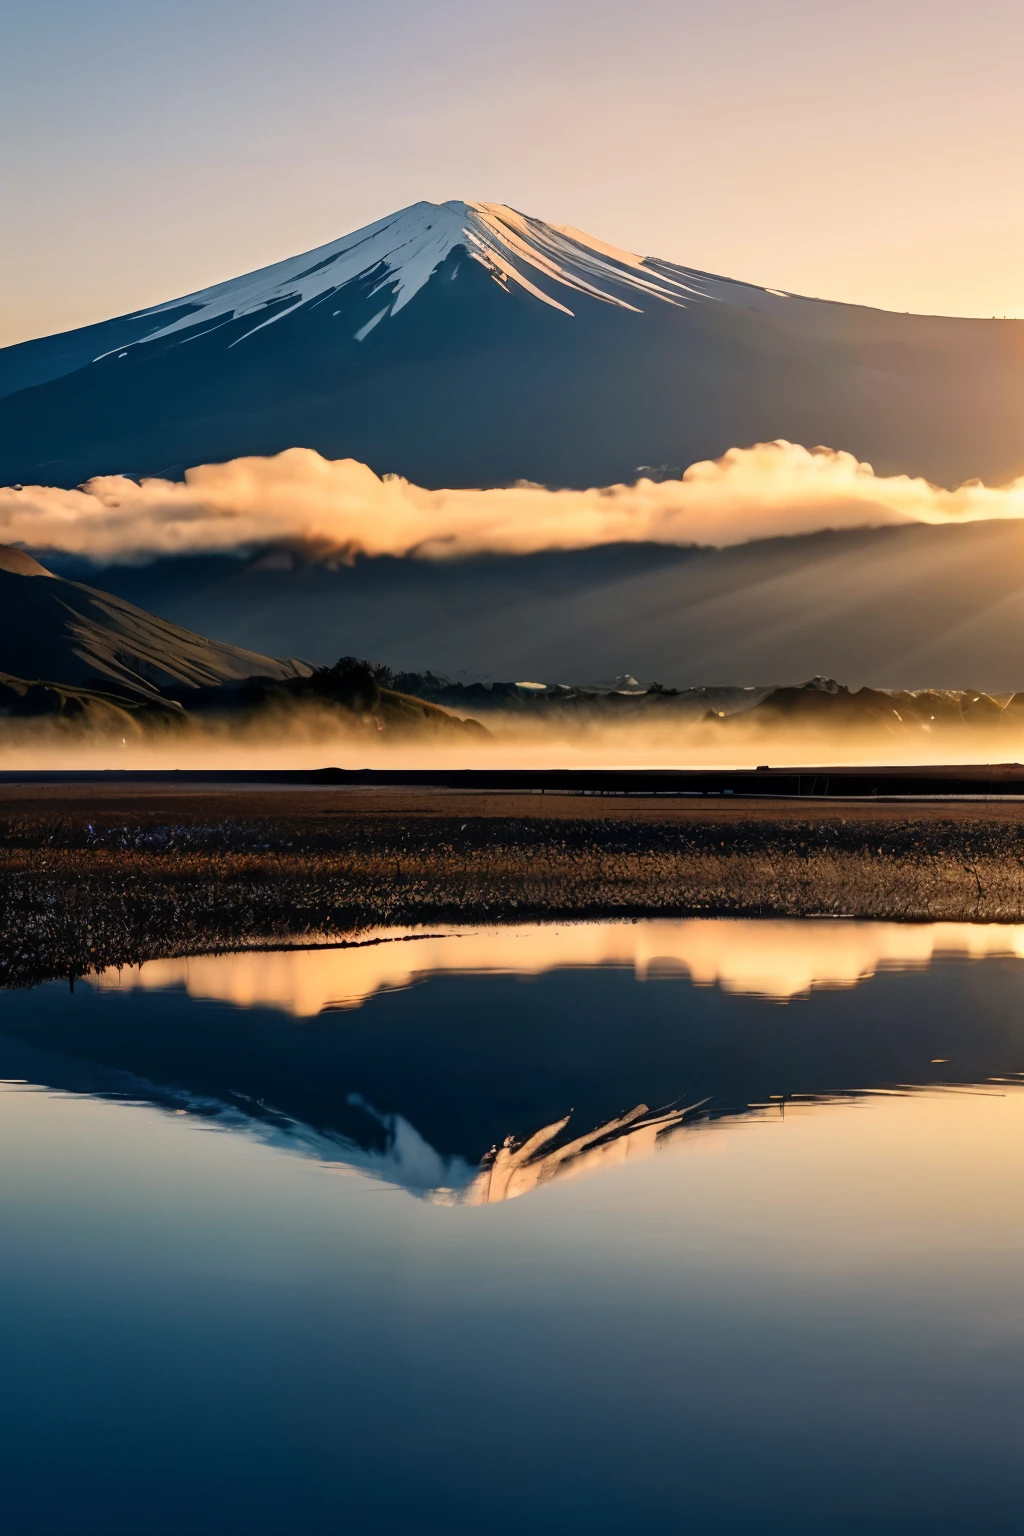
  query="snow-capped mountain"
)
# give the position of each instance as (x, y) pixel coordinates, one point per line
(466, 343)
(399, 255)
(408, 248)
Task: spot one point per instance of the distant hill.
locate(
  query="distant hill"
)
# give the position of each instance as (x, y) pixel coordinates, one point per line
(820, 712)
(70, 635)
(70, 651)
(464, 343)
(908, 607)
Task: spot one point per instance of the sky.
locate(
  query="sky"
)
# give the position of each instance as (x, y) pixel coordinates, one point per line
(863, 151)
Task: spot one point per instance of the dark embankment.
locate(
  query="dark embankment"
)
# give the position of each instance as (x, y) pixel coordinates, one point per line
(114, 875)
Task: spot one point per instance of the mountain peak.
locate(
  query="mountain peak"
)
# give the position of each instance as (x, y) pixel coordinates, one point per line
(403, 251)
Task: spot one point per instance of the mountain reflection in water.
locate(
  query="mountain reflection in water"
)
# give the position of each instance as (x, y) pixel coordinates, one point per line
(531, 1054)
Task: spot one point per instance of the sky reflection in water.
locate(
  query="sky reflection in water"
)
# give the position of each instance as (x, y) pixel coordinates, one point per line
(789, 1297)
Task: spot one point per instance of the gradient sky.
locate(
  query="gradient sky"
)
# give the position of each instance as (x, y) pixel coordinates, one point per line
(866, 151)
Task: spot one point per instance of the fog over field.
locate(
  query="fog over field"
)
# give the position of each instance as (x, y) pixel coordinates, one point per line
(310, 738)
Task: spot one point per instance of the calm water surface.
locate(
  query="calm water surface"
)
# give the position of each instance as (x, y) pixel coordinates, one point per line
(710, 1226)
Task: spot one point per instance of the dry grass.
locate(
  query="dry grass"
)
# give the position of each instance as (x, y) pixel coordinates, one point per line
(116, 877)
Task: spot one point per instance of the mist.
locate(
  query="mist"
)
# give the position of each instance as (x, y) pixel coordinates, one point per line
(341, 507)
(304, 737)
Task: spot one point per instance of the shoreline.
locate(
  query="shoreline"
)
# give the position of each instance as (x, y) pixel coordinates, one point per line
(816, 782)
(100, 876)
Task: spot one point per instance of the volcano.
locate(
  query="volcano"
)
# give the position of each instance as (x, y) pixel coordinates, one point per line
(464, 343)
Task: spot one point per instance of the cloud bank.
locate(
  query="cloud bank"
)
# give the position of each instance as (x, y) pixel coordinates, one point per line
(341, 506)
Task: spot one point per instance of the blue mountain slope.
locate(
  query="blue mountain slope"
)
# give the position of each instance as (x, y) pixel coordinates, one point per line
(908, 607)
(465, 344)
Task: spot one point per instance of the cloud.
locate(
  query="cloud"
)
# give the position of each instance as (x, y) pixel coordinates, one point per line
(762, 492)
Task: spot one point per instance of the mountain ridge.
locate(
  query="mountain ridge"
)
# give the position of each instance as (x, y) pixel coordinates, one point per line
(75, 637)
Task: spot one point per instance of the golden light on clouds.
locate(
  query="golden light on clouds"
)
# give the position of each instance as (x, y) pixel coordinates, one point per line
(340, 505)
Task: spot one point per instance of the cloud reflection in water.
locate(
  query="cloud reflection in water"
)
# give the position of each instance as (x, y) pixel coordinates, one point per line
(761, 958)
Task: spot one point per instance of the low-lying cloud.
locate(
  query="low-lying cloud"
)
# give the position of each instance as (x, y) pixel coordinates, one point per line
(340, 505)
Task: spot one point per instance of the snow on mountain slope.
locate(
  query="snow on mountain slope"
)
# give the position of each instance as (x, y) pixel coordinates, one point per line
(405, 250)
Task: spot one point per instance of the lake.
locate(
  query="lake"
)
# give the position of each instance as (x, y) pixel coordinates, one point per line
(713, 1225)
